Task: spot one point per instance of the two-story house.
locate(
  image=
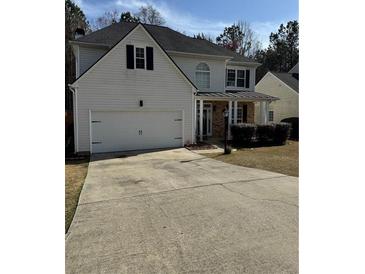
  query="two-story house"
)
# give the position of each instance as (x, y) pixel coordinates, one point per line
(142, 86)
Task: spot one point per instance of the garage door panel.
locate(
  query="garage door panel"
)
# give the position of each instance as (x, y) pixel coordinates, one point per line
(128, 130)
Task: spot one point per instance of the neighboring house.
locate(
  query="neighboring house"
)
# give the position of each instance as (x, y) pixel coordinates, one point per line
(142, 86)
(284, 86)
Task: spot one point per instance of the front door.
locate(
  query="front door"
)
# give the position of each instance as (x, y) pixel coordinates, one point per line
(207, 119)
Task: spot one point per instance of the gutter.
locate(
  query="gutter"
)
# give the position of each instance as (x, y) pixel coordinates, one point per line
(249, 64)
(75, 117)
(94, 45)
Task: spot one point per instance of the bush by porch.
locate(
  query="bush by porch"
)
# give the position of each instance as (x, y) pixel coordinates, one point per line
(252, 135)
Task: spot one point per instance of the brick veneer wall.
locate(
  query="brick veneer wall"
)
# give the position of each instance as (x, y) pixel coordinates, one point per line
(250, 112)
(218, 121)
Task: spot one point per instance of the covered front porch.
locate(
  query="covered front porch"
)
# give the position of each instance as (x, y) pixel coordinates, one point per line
(210, 107)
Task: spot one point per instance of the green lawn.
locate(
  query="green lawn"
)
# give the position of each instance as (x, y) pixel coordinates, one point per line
(282, 159)
(75, 173)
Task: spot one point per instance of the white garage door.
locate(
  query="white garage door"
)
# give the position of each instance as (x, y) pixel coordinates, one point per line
(133, 130)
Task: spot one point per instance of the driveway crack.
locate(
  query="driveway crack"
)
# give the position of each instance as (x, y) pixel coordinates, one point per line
(258, 199)
(183, 188)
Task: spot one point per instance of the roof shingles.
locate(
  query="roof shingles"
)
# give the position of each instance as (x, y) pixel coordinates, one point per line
(288, 79)
(294, 69)
(169, 39)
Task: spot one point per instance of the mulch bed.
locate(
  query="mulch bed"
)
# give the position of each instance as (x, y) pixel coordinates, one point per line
(200, 146)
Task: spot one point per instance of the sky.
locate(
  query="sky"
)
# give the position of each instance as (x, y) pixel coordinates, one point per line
(209, 17)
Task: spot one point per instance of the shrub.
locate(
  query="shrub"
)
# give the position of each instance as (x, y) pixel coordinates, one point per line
(282, 131)
(265, 133)
(243, 134)
(294, 121)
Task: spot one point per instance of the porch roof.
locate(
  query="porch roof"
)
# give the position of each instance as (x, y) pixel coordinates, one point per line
(236, 96)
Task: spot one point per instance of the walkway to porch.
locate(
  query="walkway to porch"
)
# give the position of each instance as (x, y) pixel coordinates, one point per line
(217, 142)
(210, 107)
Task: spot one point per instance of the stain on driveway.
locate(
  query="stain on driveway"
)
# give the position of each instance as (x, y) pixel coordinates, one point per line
(176, 211)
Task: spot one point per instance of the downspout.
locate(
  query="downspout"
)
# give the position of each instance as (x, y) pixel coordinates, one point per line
(194, 92)
(75, 117)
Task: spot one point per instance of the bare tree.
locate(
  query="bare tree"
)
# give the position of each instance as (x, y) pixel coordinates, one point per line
(203, 36)
(149, 15)
(250, 43)
(109, 17)
(128, 17)
(256, 46)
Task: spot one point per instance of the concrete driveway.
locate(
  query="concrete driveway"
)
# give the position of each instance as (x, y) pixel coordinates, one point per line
(176, 211)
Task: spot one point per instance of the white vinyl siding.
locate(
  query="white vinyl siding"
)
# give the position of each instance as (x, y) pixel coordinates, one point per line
(88, 57)
(109, 86)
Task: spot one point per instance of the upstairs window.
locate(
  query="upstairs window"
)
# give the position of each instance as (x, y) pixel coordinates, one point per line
(231, 78)
(202, 75)
(140, 58)
(241, 78)
(271, 116)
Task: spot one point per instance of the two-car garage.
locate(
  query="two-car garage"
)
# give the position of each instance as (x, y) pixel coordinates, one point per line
(134, 130)
(118, 106)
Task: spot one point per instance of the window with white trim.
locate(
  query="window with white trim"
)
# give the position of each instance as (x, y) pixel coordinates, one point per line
(241, 78)
(140, 58)
(239, 115)
(238, 78)
(271, 116)
(231, 77)
(202, 75)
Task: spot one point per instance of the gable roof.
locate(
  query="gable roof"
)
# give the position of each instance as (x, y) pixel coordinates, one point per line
(294, 69)
(288, 79)
(169, 40)
(121, 38)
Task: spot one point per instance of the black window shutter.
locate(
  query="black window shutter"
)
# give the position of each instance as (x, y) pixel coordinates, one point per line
(130, 57)
(247, 78)
(149, 55)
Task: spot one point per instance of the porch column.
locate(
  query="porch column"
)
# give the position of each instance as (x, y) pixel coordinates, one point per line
(235, 107)
(201, 119)
(264, 112)
(229, 119)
